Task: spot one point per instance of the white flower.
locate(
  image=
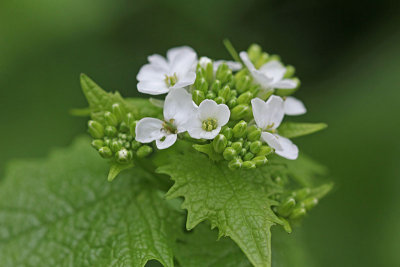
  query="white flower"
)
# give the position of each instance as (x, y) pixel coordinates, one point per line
(208, 120)
(161, 75)
(294, 106)
(178, 109)
(270, 75)
(268, 116)
(233, 65)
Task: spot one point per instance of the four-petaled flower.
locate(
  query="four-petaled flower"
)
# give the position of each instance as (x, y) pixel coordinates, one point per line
(161, 75)
(178, 109)
(268, 116)
(270, 75)
(208, 120)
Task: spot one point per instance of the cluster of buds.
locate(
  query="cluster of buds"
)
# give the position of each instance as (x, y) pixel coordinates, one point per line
(114, 136)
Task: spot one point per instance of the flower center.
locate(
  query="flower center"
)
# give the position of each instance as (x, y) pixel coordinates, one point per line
(209, 124)
(171, 80)
(169, 127)
(270, 128)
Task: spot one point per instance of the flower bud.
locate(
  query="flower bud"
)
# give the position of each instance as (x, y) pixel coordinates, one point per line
(248, 165)
(97, 143)
(229, 153)
(264, 151)
(224, 92)
(127, 144)
(240, 129)
(302, 193)
(243, 152)
(290, 70)
(260, 160)
(123, 156)
(115, 145)
(310, 203)
(233, 93)
(254, 135)
(107, 141)
(144, 151)
(248, 156)
(105, 152)
(129, 119)
(111, 131)
(110, 119)
(209, 72)
(135, 144)
(221, 72)
(123, 127)
(237, 146)
(245, 98)
(216, 86)
(264, 58)
(219, 143)
(235, 163)
(228, 132)
(118, 111)
(219, 100)
(246, 145)
(211, 95)
(96, 130)
(198, 96)
(298, 213)
(240, 111)
(202, 85)
(133, 129)
(232, 102)
(243, 84)
(254, 52)
(255, 147)
(274, 57)
(286, 207)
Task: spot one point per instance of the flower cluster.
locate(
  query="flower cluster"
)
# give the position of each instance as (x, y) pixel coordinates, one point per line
(231, 110)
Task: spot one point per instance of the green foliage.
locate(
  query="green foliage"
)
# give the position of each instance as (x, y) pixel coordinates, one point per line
(60, 212)
(294, 129)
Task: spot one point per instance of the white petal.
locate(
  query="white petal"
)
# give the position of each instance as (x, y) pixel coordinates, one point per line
(148, 130)
(185, 80)
(262, 79)
(246, 60)
(150, 72)
(258, 112)
(273, 69)
(233, 65)
(274, 111)
(182, 59)
(207, 109)
(179, 107)
(271, 140)
(159, 61)
(200, 133)
(169, 140)
(285, 84)
(194, 127)
(289, 150)
(155, 87)
(203, 62)
(223, 114)
(294, 106)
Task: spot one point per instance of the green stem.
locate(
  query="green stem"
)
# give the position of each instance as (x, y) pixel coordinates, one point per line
(232, 50)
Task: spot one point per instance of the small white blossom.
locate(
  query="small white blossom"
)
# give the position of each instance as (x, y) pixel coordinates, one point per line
(178, 109)
(268, 116)
(163, 74)
(294, 106)
(233, 65)
(270, 75)
(208, 120)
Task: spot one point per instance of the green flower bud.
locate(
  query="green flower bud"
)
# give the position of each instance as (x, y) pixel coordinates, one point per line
(232, 102)
(245, 98)
(229, 143)
(290, 70)
(254, 135)
(123, 127)
(264, 58)
(122, 136)
(219, 100)
(240, 129)
(260, 160)
(243, 152)
(110, 119)
(235, 164)
(129, 119)
(274, 57)
(202, 85)
(144, 151)
(233, 93)
(254, 52)
(240, 111)
(198, 96)
(129, 138)
(302, 193)
(105, 152)
(118, 111)
(133, 129)
(111, 131)
(127, 145)
(229, 153)
(123, 156)
(310, 203)
(285, 209)
(97, 143)
(264, 151)
(243, 84)
(135, 145)
(211, 95)
(107, 141)
(224, 92)
(246, 145)
(115, 145)
(222, 71)
(298, 213)
(216, 86)
(237, 146)
(200, 73)
(219, 143)
(248, 156)
(228, 132)
(248, 165)
(96, 130)
(255, 147)
(209, 72)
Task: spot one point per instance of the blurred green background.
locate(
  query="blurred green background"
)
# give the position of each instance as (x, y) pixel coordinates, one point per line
(347, 54)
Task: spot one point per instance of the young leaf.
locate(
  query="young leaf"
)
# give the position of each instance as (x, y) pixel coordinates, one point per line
(293, 129)
(61, 212)
(234, 201)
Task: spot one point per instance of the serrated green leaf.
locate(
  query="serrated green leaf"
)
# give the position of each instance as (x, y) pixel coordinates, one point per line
(233, 201)
(294, 129)
(61, 212)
